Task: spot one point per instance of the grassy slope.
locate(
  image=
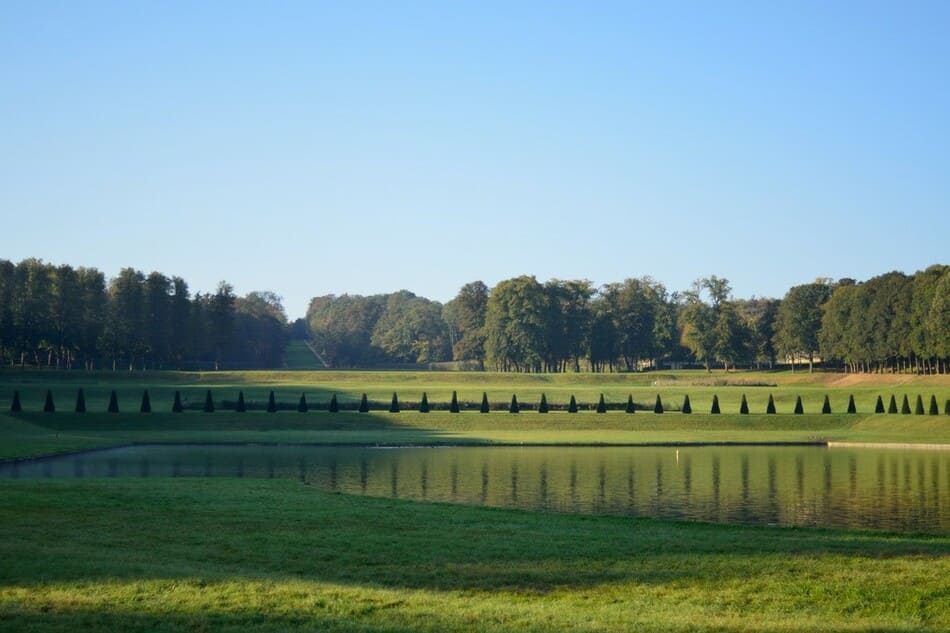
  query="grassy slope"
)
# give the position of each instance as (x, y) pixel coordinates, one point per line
(275, 555)
(31, 434)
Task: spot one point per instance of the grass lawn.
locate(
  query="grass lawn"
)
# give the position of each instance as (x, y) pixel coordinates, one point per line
(275, 555)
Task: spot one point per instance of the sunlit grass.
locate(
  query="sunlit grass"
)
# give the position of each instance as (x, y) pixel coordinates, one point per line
(277, 555)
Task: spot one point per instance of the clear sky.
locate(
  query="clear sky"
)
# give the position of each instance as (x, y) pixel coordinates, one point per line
(328, 147)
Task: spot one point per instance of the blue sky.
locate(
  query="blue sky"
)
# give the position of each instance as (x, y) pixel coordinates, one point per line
(315, 147)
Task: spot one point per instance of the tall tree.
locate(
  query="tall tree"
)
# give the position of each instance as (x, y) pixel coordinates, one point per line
(468, 321)
(516, 325)
(799, 320)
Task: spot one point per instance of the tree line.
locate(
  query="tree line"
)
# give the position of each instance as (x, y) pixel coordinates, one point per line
(893, 322)
(60, 316)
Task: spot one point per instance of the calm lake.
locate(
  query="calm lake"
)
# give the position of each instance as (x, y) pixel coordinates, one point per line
(889, 489)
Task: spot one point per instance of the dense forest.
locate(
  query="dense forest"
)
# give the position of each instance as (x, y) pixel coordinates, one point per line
(67, 317)
(893, 322)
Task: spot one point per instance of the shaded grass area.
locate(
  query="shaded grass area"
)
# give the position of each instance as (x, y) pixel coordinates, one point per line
(32, 434)
(379, 386)
(275, 555)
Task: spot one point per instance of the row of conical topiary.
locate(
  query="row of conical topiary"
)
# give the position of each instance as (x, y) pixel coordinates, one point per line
(333, 406)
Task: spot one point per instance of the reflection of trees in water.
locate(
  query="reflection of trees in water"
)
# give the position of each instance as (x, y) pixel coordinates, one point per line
(884, 490)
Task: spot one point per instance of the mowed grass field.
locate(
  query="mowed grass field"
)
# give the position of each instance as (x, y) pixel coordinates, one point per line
(273, 555)
(278, 555)
(34, 432)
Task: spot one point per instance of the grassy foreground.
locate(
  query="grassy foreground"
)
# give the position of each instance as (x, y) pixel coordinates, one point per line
(176, 555)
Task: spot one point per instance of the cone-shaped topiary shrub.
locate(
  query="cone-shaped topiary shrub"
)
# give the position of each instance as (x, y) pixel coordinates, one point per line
(631, 408)
(302, 404)
(572, 405)
(513, 407)
(826, 406)
(176, 406)
(770, 407)
(919, 406)
(394, 404)
(484, 408)
(454, 405)
(334, 406)
(209, 403)
(364, 404)
(601, 405)
(946, 407)
(744, 406)
(687, 407)
(48, 406)
(905, 406)
(146, 406)
(658, 406)
(543, 405)
(879, 405)
(934, 409)
(271, 403)
(892, 405)
(424, 405)
(715, 405)
(799, 409)
(16, 407)
(113, 403)
(80, 401)
(241, 407)
(851, 407)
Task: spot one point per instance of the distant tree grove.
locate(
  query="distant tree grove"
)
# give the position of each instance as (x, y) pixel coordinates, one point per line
(64, 317)
(894, 322)
(67, 317)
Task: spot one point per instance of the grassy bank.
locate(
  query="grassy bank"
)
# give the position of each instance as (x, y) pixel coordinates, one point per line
(33, 432)
(276, 555)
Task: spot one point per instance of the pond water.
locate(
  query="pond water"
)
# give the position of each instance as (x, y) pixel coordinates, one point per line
(890, 489)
